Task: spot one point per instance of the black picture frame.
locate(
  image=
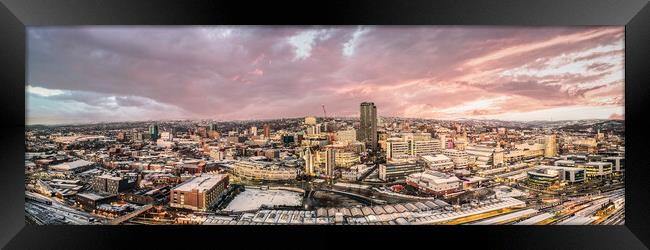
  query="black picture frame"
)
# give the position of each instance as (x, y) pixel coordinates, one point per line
(15, 15)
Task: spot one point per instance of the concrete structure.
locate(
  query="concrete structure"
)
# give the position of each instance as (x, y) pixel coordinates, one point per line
(437, 162)
(367, 132)
(263, 171)
(112, 184)
(567, 174)
(398, 170)
(330, 161)
(72, 167)
(434, 182)
(617, 162)
(90, 201)
(397, 149)
(597, 169)
(310, 162)
(346, 159)
(485, 155)
(458, 157)
(550, 146)
(346, 136)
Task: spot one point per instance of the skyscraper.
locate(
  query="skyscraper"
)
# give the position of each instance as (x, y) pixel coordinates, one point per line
(212, 127)
(330, 161)
(550, 147)
(310, 161)
(153, 131)
(367, 132)
(267, 131)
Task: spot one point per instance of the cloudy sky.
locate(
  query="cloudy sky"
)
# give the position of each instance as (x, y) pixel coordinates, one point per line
(95, 74)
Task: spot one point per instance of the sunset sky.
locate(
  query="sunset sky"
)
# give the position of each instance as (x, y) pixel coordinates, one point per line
(96, 74)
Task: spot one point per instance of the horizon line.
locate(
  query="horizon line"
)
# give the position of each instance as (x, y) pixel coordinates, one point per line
(298, 117)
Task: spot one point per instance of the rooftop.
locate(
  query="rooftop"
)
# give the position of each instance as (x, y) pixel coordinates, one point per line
(91, 196)
(436, 177)
(438, 157)
(201, 183)
(71, 165)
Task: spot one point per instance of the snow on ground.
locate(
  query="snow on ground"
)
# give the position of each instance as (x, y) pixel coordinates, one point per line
(505, 191)
(252, 199)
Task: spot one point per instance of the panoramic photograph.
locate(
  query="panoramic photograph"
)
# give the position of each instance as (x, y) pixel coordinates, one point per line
(325, 125)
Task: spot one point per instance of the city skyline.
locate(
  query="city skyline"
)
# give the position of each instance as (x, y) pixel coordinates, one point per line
(104, 74)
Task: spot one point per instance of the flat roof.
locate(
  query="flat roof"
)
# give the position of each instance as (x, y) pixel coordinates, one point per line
(91, 196)
(436, 177)
(437, 157)
(71, 165)
(200, 183)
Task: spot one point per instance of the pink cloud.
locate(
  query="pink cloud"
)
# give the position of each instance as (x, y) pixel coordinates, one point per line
(251, 72)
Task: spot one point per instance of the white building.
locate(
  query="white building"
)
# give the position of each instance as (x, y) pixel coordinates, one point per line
(437, 162)
(484, 155)
(435, 182)
(263, 171)
(346, 136)
(397, 149)
(458, 157)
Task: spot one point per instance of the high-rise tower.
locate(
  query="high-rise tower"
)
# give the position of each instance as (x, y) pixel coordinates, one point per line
(368, 127)
(153, 131)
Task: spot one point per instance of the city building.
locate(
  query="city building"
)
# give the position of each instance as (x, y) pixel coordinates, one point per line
(310, 120)
(199, 193)
(566, 174)
(367, 132)
(264, 171)
(310, 162)
(459, 158)
(565, 163)
(346, 136)
(72, 167)
(550, 146)
(484, 155)
(153, 132)
(398, 170)
(597, 169)
(345, 159)
(112, 184)
(618, 162)
(90, 201)
(434, 182)
(267, 131)
(424, 147)
(397, 149)
(545, 176)
(437, 162)
(542, 178)
(330, 161)
(355, 172)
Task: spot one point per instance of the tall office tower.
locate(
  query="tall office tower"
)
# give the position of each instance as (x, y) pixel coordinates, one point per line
(267, 131)
(368, 125)
(254, 131)
(212, 127)
(310, 120)
(310, 162)
(550, 147)
(330, 161)
(153, 131)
